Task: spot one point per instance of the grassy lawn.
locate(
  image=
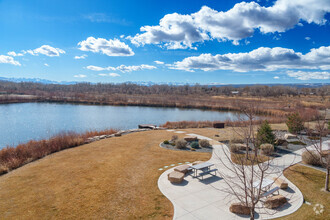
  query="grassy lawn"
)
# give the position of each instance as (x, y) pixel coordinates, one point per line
(114, 178)
(310, 182)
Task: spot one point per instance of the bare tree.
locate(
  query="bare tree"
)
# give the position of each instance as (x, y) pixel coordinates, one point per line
(244, 176)
(316, 149)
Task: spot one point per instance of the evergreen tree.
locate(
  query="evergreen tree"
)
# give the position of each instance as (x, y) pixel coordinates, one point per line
(295, 123)
(265, 134)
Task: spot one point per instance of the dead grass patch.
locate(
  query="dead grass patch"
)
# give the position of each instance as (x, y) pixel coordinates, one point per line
(310, 182)
(114, 178)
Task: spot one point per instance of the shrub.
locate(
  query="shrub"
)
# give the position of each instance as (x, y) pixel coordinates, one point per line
(181, 144)
(234, 148)
(237, 140)
(194, 144)
(204, 143)
(295, 123)
(166, 142)
(267, 149)
(265, 134)
(311, 158)
(174, 138)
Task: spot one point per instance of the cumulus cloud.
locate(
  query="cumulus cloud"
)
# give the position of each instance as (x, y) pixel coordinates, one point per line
(46, 64)
(307, 38)
(108, 47)
(80, 57)
(276, 77)
(45, 50)
(302, 75)
(14, 54)
(261, 59)
(80, 76)
(177, 31)
(159, 62)
(109, 74)
(9, 60)
(122, 68)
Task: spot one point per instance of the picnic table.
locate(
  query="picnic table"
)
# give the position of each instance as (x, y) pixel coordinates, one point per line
(265, 185)
(204, 167)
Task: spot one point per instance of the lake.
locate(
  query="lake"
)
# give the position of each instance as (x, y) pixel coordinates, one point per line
(22, 122)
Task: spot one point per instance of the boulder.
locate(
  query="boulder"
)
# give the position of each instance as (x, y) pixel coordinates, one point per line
(182, 168)
(281, 142)
(290, 136)
(283, 184)
(275, 201)
(239, 208)
(103, 136)
(117, 134)
(190, 138)
(175, 177)
(197, 162)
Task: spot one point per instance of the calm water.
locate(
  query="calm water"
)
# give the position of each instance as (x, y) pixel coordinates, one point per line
(20, 123)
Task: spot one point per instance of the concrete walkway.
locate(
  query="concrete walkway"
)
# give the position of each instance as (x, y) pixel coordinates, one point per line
(209, 198)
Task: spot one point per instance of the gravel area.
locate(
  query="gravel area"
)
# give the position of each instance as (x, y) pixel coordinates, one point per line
(201, 149)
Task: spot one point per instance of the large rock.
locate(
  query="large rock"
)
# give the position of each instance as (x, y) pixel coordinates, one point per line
(190, 138)
(290, 136)
(283, 184)
(239, 208)
(197, 162)
(117, 134)
(281, 142)
(182, 168)
(175, 177)
(275, 202)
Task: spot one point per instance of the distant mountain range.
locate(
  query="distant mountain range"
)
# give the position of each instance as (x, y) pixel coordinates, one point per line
(149, 83)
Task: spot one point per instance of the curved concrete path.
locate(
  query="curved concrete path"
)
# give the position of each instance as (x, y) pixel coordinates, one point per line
(209, 199)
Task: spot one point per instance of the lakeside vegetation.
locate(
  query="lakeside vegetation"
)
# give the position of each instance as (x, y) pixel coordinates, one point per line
(14, 157)
(275, 101)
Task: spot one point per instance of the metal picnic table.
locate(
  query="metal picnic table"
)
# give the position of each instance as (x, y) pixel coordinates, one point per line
(265, 185)
(202, 166)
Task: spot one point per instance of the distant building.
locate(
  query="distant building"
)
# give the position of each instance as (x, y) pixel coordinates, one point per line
(234, 92)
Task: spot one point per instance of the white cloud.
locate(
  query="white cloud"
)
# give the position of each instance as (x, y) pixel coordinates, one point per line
(177, 31)
(108, 47)
(80, 76)
(13, 54)
(46, 64)
(307, 38)
(98, 68)
(45, 50)
(9, 60)
(302, 75)
(261, 59)
(276, 77)
(80, 57)
(109, 74)
(159, 62)
(122, 68)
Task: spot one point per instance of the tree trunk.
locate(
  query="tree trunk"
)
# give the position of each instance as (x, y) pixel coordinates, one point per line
(326, 187)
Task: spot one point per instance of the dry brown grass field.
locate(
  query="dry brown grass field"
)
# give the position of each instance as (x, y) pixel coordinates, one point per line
(114, 178)
(310, 182)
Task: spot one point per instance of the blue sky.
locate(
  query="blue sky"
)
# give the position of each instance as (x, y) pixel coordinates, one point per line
(230, 42)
